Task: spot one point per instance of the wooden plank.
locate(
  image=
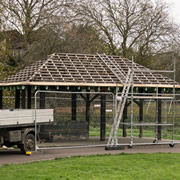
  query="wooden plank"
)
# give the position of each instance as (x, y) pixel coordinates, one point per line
(85, 84)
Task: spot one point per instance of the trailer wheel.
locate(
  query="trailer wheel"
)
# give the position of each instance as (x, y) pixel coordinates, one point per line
(130, 146)
(29, 144)
(155, 141)
(171, 145)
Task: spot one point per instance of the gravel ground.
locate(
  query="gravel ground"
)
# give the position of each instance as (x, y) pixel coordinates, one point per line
(11, 156)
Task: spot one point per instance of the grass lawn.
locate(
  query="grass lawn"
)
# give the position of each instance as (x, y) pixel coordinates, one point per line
(123, 166)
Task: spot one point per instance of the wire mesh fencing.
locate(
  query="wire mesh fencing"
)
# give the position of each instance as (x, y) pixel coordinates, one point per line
(81, 119)
(150, 117)
(86, 119)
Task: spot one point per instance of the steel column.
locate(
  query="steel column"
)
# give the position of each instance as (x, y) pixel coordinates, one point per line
(141, 102)
(42, 99)
(23, 97)
(103, 118)
(74, 106)
(88, 108)
(17, 99)
(159, 109)
(29, 97)
(124, 120)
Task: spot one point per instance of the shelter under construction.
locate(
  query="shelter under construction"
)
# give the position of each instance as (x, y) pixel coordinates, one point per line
(111, 80)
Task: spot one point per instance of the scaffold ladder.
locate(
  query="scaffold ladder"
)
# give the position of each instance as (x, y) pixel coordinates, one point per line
(127, 82)
(112, 65)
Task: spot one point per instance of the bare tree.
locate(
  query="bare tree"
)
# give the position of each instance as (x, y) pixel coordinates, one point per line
(140, 27)
(157, 34)
(81, 39)
(94, 13)
(28, 15)
(36, 21)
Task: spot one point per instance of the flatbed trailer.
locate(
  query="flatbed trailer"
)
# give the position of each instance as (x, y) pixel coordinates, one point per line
(17, 126)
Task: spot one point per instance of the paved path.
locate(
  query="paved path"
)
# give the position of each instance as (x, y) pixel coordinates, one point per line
(14, 156)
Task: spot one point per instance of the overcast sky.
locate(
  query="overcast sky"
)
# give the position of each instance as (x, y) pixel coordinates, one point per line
(174, 9)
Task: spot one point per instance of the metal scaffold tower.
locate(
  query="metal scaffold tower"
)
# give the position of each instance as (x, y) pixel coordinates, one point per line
(128, 94)
(157, 97)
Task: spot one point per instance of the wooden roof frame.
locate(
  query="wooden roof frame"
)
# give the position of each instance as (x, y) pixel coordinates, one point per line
(67, 69)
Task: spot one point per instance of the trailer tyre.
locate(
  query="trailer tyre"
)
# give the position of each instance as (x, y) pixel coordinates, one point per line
(130, 146)
(171, 145)
(155, 141)
(29, 143)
